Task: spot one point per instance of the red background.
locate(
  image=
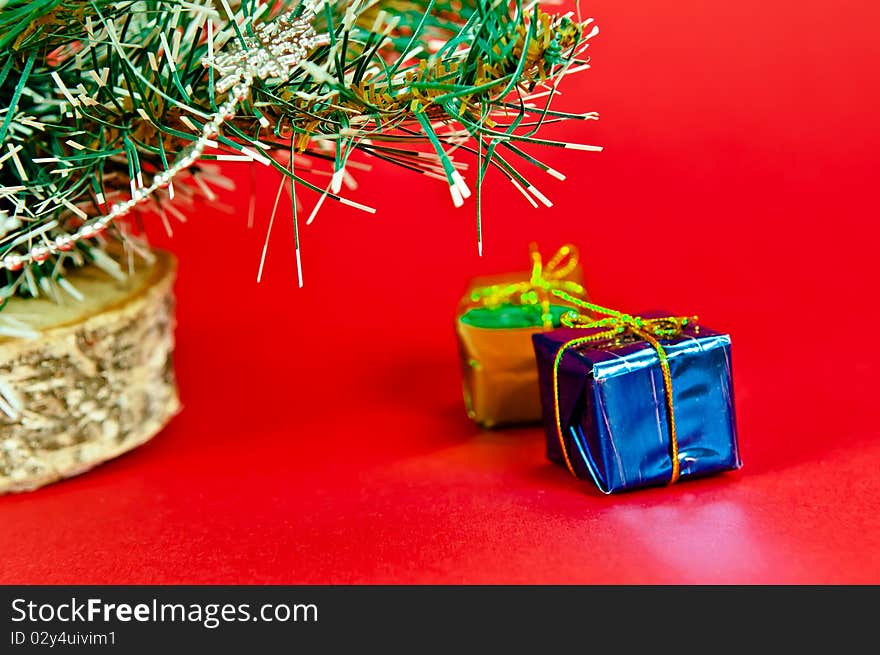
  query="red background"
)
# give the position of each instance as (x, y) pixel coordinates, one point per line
(323, 438)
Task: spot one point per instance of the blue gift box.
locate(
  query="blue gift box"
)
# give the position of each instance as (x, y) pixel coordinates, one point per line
(612, 407)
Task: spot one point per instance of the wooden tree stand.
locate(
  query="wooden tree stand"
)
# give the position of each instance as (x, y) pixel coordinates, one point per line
(97, 382)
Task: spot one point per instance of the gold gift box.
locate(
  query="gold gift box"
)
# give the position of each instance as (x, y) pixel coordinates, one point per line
(499, 374)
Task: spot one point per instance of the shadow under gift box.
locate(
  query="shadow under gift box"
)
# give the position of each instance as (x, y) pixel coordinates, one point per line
(612, 408)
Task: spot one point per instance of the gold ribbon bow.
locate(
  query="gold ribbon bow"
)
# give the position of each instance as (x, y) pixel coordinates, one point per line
(544, 279)
(614, 329)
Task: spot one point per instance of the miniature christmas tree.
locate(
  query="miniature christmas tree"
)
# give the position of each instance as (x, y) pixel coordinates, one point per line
(115, 115)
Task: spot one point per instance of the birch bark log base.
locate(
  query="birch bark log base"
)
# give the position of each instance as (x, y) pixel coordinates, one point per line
(97, 382)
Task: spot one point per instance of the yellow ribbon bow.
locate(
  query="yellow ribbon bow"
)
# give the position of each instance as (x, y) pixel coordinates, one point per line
(544, 279)
(614, 329)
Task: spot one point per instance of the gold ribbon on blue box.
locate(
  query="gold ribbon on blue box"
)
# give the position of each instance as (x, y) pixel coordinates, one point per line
(496, 319)
(633, 401)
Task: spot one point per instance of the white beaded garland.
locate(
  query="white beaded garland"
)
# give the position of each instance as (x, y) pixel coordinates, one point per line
(40, 253)
(86, 231)
(275, 52)
(118, 209)
(13, 262)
